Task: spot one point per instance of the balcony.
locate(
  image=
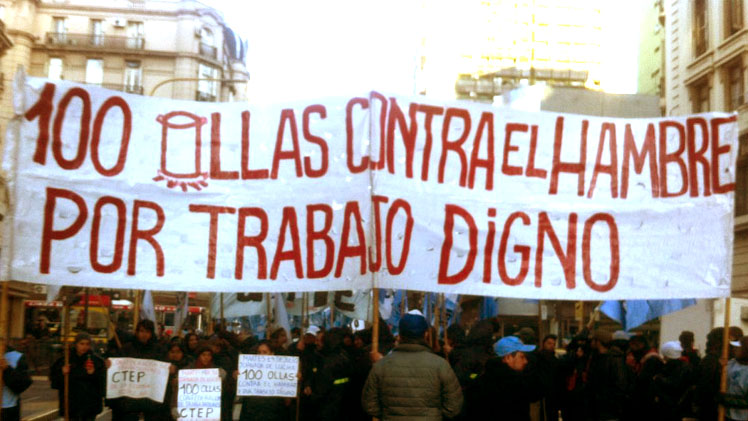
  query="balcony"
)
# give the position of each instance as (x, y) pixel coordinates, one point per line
(130, 89)
(205, 97)
(95, 41)
(209, 51)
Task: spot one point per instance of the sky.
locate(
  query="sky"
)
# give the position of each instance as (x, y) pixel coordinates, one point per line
(300, 49)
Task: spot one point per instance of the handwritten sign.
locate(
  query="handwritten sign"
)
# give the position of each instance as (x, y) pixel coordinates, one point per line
(137, 378)
(267, 375)
(199, 396)
(123, 191)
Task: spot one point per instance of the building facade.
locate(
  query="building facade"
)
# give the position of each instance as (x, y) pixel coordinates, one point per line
(510, 43)
(706, 52)
(651, 77)
(146, 47)
(127, 45)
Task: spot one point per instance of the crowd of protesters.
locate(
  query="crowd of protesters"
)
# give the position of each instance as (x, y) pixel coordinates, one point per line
(475, 374)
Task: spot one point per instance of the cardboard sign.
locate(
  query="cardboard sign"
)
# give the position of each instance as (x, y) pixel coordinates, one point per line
(137, 378)
(348, 193)
(268, 375)
(199, 395)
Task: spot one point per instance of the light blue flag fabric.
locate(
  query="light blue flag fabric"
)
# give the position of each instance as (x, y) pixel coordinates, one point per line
(633, 313)
(489, 308)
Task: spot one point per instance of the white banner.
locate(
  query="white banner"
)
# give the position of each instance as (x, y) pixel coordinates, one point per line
(199, 396)
(123, 191)
(267, 375)
(137, 378)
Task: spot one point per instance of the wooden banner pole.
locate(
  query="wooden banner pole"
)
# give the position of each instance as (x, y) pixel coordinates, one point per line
(725, 355)
(437, 313)
(223, 322)
(66, 338)
(4, 310)
(136, 310)
(444, 317)
(375, 321)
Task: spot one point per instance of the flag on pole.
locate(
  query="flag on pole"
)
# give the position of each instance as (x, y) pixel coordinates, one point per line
(180, 315)
(633, 313)
(281, 315)
(147, 310)
(53, 291)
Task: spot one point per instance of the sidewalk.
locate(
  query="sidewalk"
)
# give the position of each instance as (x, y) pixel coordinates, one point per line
(39, 402)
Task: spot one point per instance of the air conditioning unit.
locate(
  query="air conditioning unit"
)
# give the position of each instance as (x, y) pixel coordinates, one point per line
(120, 23)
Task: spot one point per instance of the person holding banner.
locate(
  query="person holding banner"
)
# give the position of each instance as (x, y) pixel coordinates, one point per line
(412, 381)
(87, 380)
(260, 408)
(144, 346)
(178, 358)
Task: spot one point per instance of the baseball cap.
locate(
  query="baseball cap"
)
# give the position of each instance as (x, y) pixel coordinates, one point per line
(671, 350)
(413, 325)
(510, 344)
(312, 329)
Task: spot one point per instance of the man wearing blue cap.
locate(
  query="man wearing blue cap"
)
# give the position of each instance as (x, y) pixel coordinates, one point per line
(412, 382)
(504, 387)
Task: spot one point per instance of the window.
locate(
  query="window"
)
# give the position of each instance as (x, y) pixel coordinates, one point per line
(700, 40)
(207, 36)
(54, 69)
(135, 35)
(734, 97)
(207, 90)
(700, 96)
(741, 178)
(97, 32)
(59, 30)
(133, 77)
(94, 71)
(207, 43)
(733, 17)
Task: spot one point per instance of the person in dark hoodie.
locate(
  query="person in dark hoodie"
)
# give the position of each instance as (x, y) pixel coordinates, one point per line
(609, 383)
(670, 386)
(310, 361)
(469, 357)
(144, 346)
(549, 372)
(575, 369)
(332, 379)
(707, 376)
(504, 388)
(87, 380)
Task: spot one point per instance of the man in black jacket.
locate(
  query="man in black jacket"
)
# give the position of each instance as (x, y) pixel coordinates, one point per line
(504, 385)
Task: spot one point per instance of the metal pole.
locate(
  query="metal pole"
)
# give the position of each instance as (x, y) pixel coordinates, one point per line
(725, 354)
